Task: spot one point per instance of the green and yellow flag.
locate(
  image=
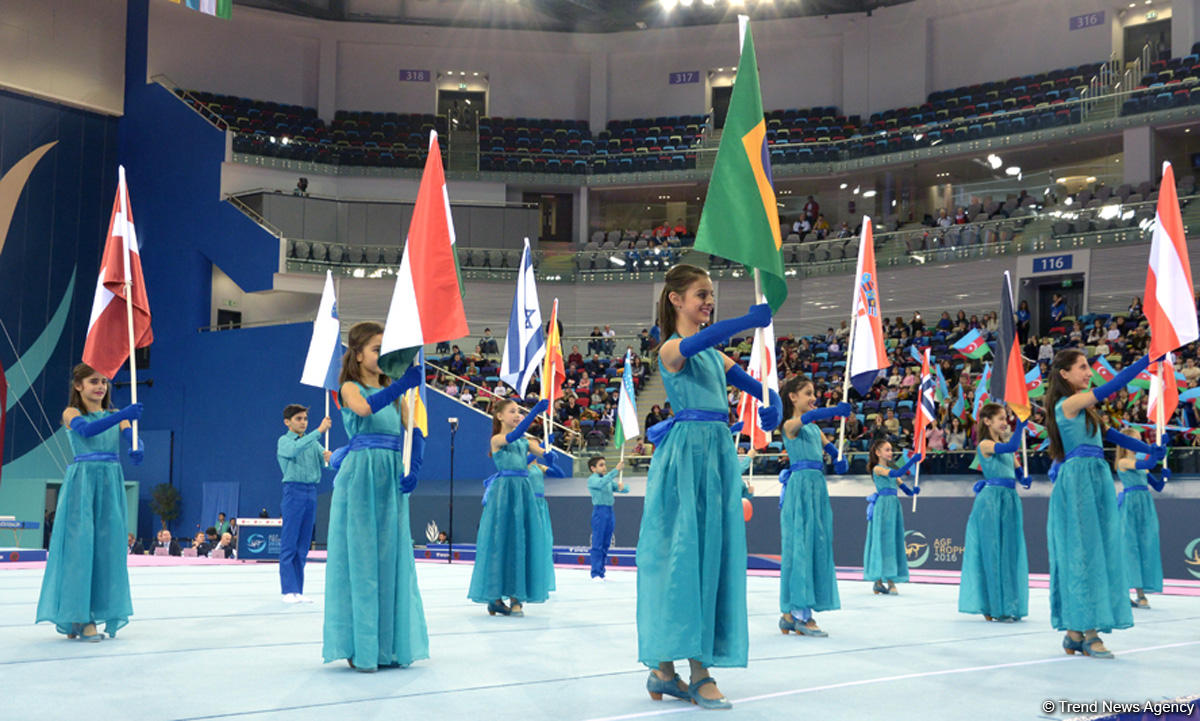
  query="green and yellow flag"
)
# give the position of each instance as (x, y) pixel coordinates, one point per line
(740, 220)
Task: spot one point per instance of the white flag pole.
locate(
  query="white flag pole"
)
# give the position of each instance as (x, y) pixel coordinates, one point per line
(916, 484)
(326, 393)
(1160, 411)
(123, 190)
(411, 404)
(846, 371)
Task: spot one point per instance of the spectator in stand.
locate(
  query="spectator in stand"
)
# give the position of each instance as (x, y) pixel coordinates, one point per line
(854, 428)
(1102, 349)
(935, 437)
(1114, 331)
(943, 220)
(575, 356)
(135, 546)
(655, 333)
(1023, 317)
(1058, 308)
(451, 387)
(811, 210)
(680, 229)
(956, 439)
(165, 541)
(1097, 332)
(457, 362)
(821, 227)
(960, 216)
(301, 188)
(1190, 371)
(200, 544)
(944, 323)
(487, 344)
(466, 396)
(223, 548)
(1076, 334)
(595, 340)
(892, 424)
(647, 343)
(610, 343)
(843, 331)
(1135, 307)
(584, 384)
(654, 416)
(1046, 351)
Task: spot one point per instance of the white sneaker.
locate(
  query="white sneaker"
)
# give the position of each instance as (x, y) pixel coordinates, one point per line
(291, 598)
(598, 579)
(300, 598)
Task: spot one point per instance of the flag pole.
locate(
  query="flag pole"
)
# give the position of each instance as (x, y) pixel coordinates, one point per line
(917, 483)
(1159, 411)
(325, 393)
(1024, 454)
(761, 337)
(846, 374)
(124, 192)
(411, 404)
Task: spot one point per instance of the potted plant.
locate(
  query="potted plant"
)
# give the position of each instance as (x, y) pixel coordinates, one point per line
(165, 501)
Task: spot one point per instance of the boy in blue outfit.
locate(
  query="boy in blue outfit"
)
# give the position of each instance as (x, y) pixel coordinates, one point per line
(300, 459)
(601, 485)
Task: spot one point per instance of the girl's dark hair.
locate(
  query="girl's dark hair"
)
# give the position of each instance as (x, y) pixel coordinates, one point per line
(356, 341)
(873, 454)
(497, 408)
(1057, 388)
(790, 386)
(987, 412)
(677, 280)
(79, 374)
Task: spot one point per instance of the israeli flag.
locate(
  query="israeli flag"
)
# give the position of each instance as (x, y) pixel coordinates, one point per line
(525, 343)
(323, 363)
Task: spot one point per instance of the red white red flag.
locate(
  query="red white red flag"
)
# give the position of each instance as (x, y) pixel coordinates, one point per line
(1169, 302)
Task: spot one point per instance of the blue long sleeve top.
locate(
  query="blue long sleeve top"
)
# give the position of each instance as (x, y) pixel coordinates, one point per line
(602, 487)
(300, 457)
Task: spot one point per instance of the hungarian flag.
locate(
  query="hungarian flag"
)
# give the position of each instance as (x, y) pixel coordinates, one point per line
(762, 362)
(1167, 391)
(120, 283)
(554, 371)
(972, 345)
(926, 405)
(1169, 303)
(427, 299)
(1034, 387)
(868, 354)
(740, 219)
(1008, 386)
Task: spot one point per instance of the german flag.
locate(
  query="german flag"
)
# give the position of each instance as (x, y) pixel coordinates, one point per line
(1008, 381)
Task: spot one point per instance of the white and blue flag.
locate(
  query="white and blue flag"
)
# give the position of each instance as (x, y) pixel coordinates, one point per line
(324, 360)
(525, 343)
(627, 415)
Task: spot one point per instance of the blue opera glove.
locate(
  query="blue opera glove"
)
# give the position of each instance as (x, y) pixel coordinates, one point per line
(382, 398)
(736, 427)
(902, 470)
(549, 458)
(910, 491)
(409, 482)
(88, 429)
(1117, 438)
(1122, 379)
(758, 317)
(1145, 464)
(1023, 478)
(1013, 443)
(1158, 484)
(771, 416)
(136, 456)
(525, 423)
(841, 410)
(840, 466)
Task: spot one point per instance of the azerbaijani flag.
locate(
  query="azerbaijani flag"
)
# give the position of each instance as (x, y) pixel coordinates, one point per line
(554, 371)
(1008, 386)
(943, 390)
(219, 8)
(762, 360)
(740, 219)
(627, 415)
(972, 345)
(1169, 303)
(868, 354)
(1102, 371)
(959, 409)
(427, 299)
(1034, 387)
(107, 346)
(982, 395)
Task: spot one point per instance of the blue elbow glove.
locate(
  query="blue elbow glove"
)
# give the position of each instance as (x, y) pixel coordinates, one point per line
(758, 317)
(1023, 478)
(1013, 443)
(409, 482)
(136, 456)
(89, 429)
(841, 410)
(380, 399)
(771, 416)
(1117, 438)
(1145, 464)
(910, 491)
(1158, 484)
(840, 464)
(1121, 379)
(524, 425)
(736, 427)
(902, 470)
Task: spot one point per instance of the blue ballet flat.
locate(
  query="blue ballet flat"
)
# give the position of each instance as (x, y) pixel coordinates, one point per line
(658, 687)
(719, 704)
(495, 607)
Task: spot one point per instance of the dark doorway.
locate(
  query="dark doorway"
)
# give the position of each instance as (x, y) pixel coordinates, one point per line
(462, 108)
(1070, 287)
(556, 216)
(228, 319)
(1156, 34)
(720, 104)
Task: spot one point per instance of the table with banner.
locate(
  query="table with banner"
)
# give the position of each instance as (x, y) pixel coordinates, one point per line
(259, 539)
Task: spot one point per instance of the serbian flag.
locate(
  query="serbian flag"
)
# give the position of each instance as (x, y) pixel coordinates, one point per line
(554, 371)
(1169, 303)
(926, 405)
(1008, 386)
(972, 345)
(1167, 391)
(107, 346)
(868, 353)
(323, 363)
(1034, 387)
(740, 218)
(762, 361)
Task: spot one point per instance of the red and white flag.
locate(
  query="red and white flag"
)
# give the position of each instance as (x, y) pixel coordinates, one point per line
(108, 344)
(1168, 391)
(868, 353)
(764, 343)
(926, 405)
(1169, 302)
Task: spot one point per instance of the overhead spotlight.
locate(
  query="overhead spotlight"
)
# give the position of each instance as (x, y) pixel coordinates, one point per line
(686, 3)
(736, 3)
(1069, 201)
(893, 203)
(1012, 170)
(475, 74)
(1091, 179)
(869, 194)
(917, 136)
(619, 262)
(994, 161)
(668, 5)
(857, 188)
(710, 3)
(842, 186)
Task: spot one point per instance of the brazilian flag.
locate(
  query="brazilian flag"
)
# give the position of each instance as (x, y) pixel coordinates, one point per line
(740, 220)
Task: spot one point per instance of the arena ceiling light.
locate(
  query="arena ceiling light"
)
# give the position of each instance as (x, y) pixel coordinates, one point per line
(994, 161)
(1013, 170)
(842, 186)
(710, 3)
(668, 5)
(686, 3)
(869, 194)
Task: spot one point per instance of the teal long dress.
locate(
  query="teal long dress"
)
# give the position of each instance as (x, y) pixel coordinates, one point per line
(884, 557)
(373, 611)
(86, 578)
(807, 577)
(510, 549)
(1139, 526)
(537, 481)
(995, 570)
(691, 551)
(1088, 586)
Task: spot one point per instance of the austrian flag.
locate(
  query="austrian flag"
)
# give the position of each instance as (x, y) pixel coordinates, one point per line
(120, 284)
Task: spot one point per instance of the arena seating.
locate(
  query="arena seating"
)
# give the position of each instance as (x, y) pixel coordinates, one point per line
(1166, 84)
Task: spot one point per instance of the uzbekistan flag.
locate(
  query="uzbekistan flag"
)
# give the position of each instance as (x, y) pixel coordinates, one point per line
(554, 370)
(107, 346)
(764, 344)
(972, 345)
(740, 219)
(1008, 386)
(627, 415)
(1169, 303)
(427, 300)
(868, 352)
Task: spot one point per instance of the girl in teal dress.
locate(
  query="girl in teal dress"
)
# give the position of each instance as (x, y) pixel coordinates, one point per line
(1088, 589)
(691, 551)
(86, 580)
(373, 611)
(995, 570)
(537, 481)
(1139, 522)
(511, 549)
(884, 556)
(807, 577)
